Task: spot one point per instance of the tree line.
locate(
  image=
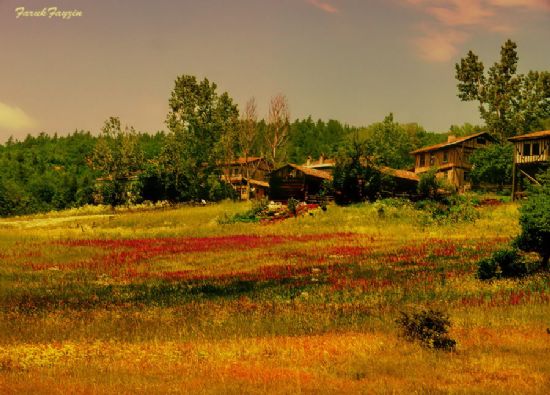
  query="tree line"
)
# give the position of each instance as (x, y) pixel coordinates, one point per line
(206, 131)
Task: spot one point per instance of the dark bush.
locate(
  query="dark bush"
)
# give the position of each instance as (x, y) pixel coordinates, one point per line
(535, 221)
(505, 263)
(429, 327)
(292, 205)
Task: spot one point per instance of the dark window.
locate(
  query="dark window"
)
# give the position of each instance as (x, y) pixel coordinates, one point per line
(481, 140)
(526, 149)
(536, 149)
(422, 161)
(445, 156)
(432, 159)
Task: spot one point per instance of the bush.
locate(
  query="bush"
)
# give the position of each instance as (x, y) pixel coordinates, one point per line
(506, 263)
(428, 184)
(429, 327)
(535, 221)
(452, 209)
(292, 205)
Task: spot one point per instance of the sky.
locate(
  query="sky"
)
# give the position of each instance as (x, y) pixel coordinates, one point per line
(351, 60)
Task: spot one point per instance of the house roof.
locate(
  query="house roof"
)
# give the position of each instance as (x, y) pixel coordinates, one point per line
(529, 136)
(258, 183)
(449, 143)
(312, 172)
(408, 175)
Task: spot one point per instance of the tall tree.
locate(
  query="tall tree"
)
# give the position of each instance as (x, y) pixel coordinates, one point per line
(202, 124)
(277, 133)
(389, 144)
(509, 103)
(247, 136)
(118, 157)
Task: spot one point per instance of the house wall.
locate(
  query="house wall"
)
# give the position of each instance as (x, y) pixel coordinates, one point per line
(524, 146)
(451, 162)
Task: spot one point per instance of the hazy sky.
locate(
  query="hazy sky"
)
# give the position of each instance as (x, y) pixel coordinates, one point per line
(351, 60)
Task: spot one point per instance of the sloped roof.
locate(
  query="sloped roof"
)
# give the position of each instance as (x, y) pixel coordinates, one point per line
(311, 172)
(529, 136)
(258, 183)
(408, 175)
(446, 144)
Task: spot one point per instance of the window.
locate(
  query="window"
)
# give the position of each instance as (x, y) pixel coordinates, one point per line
(445, 156)
(422, 161)
(432, 159)
(481, 140)
(526, 149)
(535, 150)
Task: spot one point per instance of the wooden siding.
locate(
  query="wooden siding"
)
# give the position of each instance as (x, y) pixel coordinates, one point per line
(290, 182)
(451, 162)
(523, 152)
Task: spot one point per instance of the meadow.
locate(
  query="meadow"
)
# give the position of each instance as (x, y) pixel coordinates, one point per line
(171, 300)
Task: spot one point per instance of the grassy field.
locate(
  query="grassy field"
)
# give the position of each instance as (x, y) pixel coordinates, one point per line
(172, 301)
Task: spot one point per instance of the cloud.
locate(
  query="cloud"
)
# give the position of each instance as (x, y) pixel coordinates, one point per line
(14, 118)
(439, 46)
(451, 22)
(324, 6)
(529, 4)
(460, 12)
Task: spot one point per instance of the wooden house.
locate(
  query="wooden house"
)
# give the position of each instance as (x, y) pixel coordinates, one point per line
(248, 176)
(531, 155)
(299, 182)
(451, 159)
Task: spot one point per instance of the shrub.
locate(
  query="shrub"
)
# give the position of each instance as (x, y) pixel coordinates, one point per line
(505, 263)
(428, 184)
(292, 205)
(452, 209)
(535, 221)
(429, 327)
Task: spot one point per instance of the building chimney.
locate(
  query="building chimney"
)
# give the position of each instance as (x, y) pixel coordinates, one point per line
(321, 159)
(451, 137)
(308, 163)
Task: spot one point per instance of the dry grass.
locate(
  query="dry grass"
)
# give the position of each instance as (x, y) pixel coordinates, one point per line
(162, 301)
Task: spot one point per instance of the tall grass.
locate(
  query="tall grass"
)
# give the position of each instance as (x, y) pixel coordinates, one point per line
(169, 300)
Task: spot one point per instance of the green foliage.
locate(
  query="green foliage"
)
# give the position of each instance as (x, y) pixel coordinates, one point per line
(535, 221)
(428, 185)
(505, 263)
(292, 205)
(355, 177)
(429, 327)
(390, 144)
(309, 138)
(449, 210)
(45, 173)
(259, 207)
(203, 127)
(492, 164)
(118, 158)
(509, 103)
